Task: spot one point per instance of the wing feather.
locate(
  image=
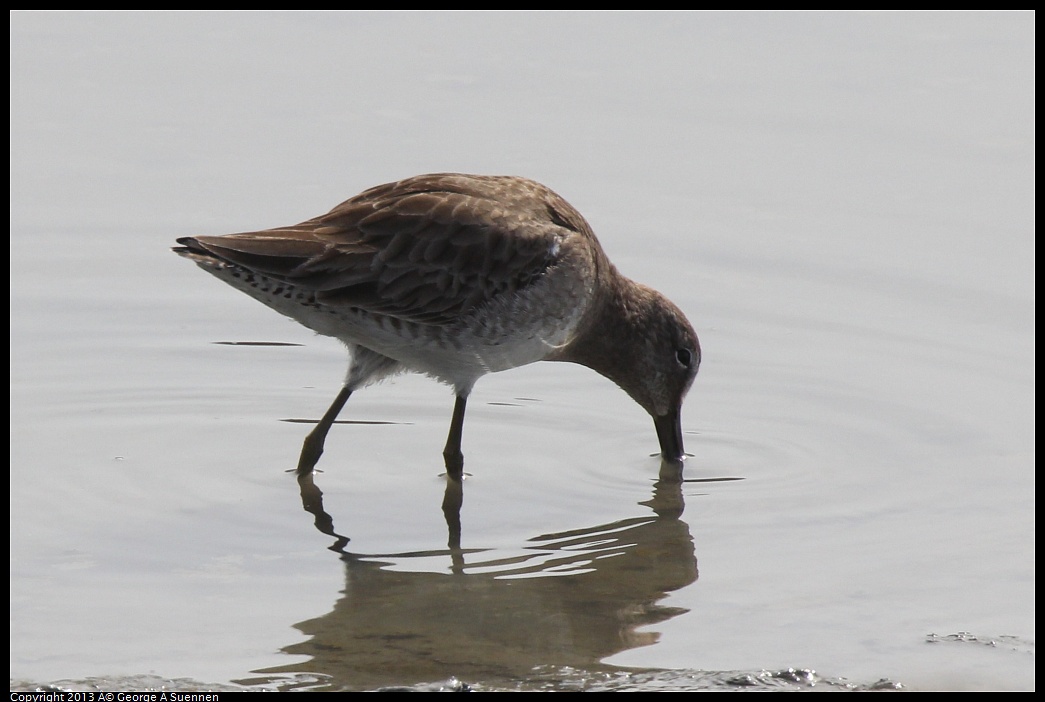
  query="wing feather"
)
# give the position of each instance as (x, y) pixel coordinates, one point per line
(427, 249)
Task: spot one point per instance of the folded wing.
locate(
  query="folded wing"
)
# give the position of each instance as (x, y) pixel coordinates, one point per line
(428, 249)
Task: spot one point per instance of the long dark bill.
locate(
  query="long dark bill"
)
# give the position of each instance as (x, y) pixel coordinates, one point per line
(669, 433)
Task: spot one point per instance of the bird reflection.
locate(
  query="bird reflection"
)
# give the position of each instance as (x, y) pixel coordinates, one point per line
(569, 599)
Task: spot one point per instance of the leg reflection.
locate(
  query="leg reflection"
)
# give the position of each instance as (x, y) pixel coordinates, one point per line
(453, 497)
(312, 501)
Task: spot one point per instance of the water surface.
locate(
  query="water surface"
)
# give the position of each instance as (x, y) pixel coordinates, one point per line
(842, 204)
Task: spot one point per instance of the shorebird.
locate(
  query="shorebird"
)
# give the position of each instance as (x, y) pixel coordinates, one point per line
(457, 276)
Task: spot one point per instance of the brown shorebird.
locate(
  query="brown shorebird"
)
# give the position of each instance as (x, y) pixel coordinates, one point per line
(457, 276)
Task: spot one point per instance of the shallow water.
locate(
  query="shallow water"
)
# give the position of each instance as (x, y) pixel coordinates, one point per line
(842, 203)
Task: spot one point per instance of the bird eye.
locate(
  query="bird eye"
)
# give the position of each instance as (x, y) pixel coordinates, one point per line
(684, 356)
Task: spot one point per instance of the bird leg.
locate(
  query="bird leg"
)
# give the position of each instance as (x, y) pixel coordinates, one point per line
(452, 455)
(312, 449)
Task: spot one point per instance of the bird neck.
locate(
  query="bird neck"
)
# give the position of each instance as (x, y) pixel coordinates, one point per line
(618, 311)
